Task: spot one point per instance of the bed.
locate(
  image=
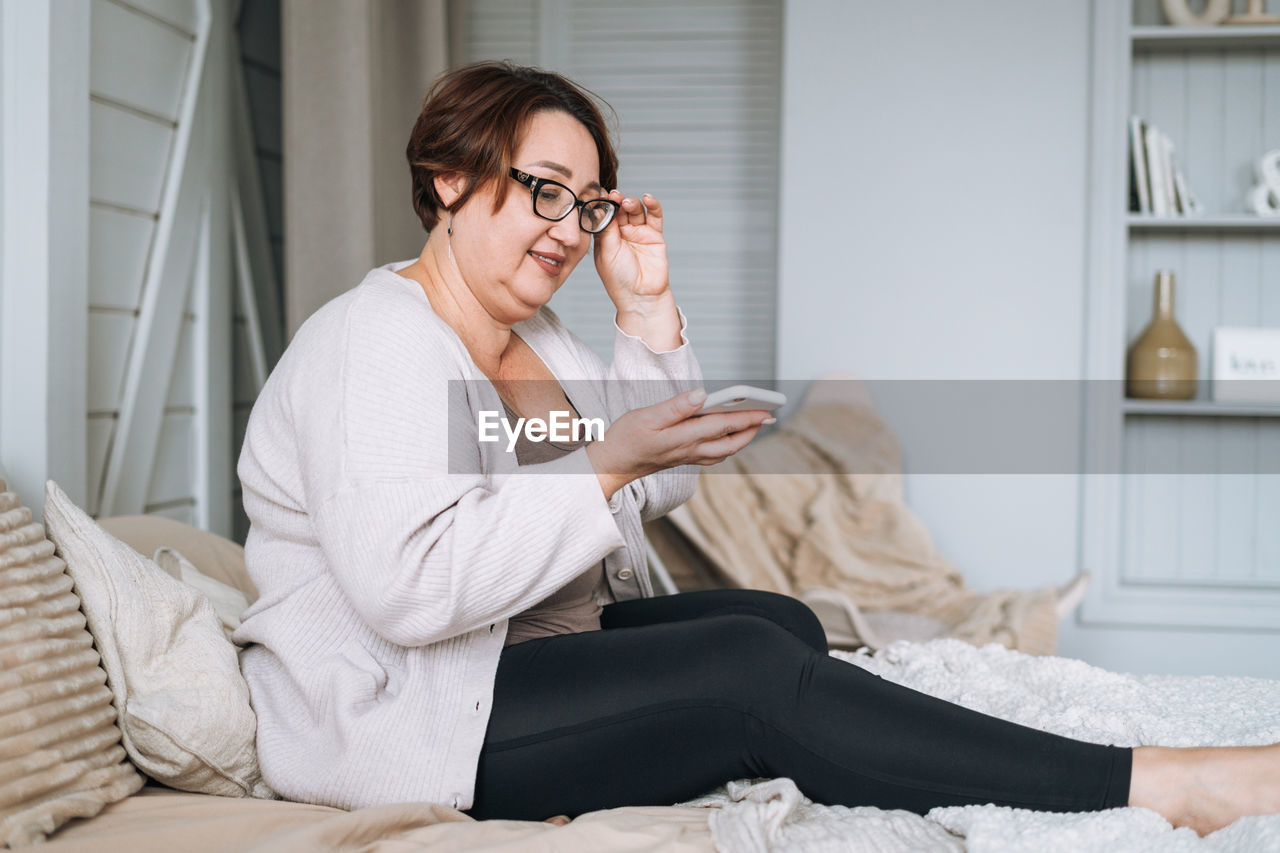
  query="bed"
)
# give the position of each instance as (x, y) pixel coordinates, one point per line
(1057, 694)
(753, 816)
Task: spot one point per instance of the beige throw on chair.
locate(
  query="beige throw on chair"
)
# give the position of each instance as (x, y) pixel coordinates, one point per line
(832, 528)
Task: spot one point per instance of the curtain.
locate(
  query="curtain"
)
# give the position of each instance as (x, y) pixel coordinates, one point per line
(354, 76)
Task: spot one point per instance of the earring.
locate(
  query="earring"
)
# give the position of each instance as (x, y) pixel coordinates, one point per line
(450, 229)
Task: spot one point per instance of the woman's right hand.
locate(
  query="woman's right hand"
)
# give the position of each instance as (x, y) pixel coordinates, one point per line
(668, 434)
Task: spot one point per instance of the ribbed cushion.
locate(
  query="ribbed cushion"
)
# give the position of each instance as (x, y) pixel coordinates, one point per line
(60, 752)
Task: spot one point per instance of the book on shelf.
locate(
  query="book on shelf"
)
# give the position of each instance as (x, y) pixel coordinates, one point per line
(1181, 201)
(1188, 204)
(1156, 183)
(1166, 163)
(1156, 171)
(1139, 186)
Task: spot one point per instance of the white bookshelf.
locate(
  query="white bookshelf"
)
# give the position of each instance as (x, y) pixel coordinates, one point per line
(1168, 543)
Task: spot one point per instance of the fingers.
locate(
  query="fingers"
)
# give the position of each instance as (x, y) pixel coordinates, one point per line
(712, 427)
(707, 439)
(653, 211)
(637, 211)
(678, 408)
(558, 820)
(671, 433)
(720, 449)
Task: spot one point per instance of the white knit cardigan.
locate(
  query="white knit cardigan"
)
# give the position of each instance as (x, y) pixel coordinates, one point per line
(386, 577)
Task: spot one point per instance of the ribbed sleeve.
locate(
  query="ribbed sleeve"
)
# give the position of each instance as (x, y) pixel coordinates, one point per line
(425, 560)
(647, 377)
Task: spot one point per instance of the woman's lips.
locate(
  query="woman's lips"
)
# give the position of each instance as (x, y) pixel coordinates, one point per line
(550, 262)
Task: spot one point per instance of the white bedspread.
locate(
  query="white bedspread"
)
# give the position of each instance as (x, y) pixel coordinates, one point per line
(1060, 695)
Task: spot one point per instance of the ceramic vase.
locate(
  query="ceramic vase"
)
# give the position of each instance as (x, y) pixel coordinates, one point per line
(1162, 362)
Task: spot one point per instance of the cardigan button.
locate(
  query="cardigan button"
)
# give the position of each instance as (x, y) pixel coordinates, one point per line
(625, 575)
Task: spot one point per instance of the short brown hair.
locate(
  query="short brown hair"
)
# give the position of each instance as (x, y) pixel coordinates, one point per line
(471, 123)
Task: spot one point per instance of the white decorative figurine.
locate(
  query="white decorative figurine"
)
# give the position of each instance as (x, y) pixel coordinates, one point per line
(1264, 198)
(1178, 13)
(1214, 12)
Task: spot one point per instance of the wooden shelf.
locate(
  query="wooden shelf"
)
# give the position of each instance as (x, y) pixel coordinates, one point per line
(1239, 222)
(1226, 35)
(1201, 408)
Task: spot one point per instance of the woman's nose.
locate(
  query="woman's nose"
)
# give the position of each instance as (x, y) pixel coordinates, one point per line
(567, 232)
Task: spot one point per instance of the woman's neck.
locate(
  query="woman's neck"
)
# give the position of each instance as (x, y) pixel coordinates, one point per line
(436, 272)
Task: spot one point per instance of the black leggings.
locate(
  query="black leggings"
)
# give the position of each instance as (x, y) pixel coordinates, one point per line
(682, 693)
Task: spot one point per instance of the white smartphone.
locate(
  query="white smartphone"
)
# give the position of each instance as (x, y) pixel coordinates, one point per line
(742, 398)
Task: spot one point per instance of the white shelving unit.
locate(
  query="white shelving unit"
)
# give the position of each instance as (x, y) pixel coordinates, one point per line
(1239, 222)
(1181, 508)
(1199, 408)
(1165, 37)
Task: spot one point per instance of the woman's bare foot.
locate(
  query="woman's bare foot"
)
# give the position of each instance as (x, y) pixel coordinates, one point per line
(558, 820)
(1206, 788)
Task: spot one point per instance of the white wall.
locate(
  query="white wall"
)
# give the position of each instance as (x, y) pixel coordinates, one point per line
(43, 247)
(933, 226)
(950, 139)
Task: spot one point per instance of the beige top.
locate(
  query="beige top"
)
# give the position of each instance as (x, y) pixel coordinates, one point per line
(574, 607)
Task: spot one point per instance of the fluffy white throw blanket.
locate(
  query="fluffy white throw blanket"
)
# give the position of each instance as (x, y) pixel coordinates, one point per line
(1060, 695)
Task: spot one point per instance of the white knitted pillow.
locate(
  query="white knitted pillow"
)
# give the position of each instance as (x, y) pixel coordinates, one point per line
(60, 753)
(186, 717)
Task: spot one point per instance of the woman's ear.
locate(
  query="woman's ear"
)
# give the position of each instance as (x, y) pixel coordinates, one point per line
(449, 186)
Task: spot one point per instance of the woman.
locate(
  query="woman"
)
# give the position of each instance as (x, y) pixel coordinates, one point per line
(429, 625)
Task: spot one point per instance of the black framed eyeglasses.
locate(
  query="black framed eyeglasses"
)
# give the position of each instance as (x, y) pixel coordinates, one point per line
(553, 200)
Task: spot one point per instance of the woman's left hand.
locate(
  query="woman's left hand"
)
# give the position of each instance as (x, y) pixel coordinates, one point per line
(631, 254)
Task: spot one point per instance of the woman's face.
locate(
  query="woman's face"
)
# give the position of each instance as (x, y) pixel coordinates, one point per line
(513, 260)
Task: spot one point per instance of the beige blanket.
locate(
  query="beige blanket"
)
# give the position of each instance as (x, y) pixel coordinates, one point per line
(818, 505)
(158, 818)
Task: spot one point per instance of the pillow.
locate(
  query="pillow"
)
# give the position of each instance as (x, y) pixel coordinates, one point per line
(228, 602)
(60, 753)
(184, 707)
(216, 557)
